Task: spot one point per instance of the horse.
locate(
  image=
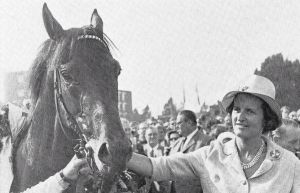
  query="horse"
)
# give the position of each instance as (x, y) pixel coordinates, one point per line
(73, 84)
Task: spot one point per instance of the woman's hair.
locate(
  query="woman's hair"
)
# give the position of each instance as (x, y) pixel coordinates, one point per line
(271, 121)
(170, 133)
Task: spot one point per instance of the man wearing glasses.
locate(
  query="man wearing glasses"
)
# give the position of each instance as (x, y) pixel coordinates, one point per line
(191, 139)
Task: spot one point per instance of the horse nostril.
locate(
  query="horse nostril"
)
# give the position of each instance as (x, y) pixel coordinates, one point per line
(103, 154)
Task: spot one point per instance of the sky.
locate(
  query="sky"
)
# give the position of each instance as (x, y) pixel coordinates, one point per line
(166, 48)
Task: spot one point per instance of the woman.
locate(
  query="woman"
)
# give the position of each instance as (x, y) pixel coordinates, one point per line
(248, 163)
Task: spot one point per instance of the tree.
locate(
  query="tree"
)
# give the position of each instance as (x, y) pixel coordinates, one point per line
(135, 116)
(285, 75)
(170, 109)
(146, 113)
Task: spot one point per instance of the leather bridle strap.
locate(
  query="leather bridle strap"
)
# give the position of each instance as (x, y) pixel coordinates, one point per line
(59, 102)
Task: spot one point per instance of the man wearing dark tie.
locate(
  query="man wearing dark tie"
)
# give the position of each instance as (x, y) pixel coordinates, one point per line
(153, 149)
(191, 139)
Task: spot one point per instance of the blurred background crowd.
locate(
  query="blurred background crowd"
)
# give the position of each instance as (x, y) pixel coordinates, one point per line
(184, 131)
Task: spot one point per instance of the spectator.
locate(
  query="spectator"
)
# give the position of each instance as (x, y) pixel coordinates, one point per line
(161, 135)
(216, 130)
(141, 133)
(285, 111)
(293, 115)
(153, 149)
(172, 137)
(227, 120)
(298, 116)
(288, 136)
(126, 127)
(201, 122)
(172, 123)
(220, 119)
(210, 123)
(249, 162)
(192, 139)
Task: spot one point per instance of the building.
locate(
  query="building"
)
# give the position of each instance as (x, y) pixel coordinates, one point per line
(16, 87)
(125, 104)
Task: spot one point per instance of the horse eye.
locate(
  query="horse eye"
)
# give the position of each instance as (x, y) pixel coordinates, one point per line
(66, 76)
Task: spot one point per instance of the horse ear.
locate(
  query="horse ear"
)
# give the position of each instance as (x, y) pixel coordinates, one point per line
(97, 22)
(53, 28)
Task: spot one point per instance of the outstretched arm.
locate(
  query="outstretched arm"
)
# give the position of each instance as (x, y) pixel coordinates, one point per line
(175, 167)
(56, 183)
(140, 164)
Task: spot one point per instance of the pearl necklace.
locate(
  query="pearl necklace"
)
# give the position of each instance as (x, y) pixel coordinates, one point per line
(256, 157)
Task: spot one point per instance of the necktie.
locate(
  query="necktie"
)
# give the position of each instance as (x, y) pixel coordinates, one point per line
(182, 143)
(152, 153)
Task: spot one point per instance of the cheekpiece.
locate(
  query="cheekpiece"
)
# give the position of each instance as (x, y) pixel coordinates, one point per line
(90, 37)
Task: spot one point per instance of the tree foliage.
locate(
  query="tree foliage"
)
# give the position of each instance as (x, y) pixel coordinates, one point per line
(137, 117)
(170, 109)
(285, 75)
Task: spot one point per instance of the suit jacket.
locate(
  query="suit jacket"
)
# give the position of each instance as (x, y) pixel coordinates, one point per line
(158, 150)
(219, 169)
(197, 141)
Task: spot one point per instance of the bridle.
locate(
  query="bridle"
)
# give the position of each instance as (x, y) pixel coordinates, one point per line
(80, 150)
(72, 123)
(96, 182)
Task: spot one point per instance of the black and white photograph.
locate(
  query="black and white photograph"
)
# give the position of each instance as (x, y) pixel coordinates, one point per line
(149, 96)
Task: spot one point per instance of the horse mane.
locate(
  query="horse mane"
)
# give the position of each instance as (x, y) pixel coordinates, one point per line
(42, 63)
(39, 69)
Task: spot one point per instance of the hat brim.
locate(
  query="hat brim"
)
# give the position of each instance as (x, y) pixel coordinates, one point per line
(274, 106)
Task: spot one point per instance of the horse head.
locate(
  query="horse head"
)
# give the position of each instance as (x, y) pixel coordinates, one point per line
(77, 65)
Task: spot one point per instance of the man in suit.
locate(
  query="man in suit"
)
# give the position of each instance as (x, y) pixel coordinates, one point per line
(152, 148)
(191, 140)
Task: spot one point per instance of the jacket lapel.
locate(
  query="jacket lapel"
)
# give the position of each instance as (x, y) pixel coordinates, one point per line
(177, 145)
(189, 144)
(198, 136)
(274, 153)
(232, 159)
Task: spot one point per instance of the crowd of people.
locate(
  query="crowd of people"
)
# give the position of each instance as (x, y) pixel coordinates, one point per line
(256, 154)
(248, 149)
(155, 138)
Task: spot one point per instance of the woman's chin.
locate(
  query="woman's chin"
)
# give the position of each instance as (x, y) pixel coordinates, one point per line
(240, 133)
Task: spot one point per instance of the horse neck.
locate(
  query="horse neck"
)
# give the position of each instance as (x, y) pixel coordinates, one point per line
(45, 141)
(45, 149)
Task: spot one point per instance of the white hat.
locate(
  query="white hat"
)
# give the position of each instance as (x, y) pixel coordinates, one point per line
(258, 86)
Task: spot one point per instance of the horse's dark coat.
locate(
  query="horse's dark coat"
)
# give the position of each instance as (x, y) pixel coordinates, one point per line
(89, 87)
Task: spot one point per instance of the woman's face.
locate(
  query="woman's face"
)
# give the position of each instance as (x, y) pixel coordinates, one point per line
(247, 116)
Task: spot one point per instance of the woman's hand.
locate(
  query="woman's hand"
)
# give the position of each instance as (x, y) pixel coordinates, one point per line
(75, 168)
